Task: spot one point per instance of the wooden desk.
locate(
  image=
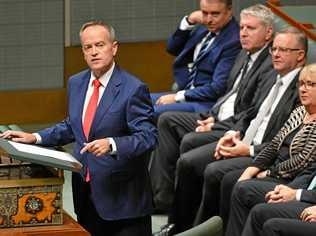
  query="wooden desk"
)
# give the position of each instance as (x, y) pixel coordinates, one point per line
(69, 228)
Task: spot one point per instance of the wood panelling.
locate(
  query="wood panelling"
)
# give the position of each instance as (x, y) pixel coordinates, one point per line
(34, 106)
(148, 61)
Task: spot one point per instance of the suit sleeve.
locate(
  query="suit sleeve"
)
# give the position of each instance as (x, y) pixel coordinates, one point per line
(177, 41)
(139, 118)
(59, 134)
(308, 196)
(217, 84)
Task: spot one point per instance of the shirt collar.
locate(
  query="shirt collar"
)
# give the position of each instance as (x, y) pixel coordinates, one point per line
(255, 55)
(105, 78)
(289, 77)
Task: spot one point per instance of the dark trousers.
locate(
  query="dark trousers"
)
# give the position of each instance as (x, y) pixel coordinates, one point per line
(246, 194)
(288, 227)
(95, 225)
(172, 126)
(189, 183)
(227, 185)
(213, 175)
(187, 106)
(265, 217)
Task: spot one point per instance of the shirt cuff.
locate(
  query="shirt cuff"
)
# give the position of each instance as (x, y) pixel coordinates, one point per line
(38, 138)
(180, 96)
(298, 194)
(252, 151)
(184, 25)
(113, 145)
(230, 132)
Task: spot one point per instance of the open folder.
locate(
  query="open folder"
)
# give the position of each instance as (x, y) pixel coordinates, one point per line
(40, 155)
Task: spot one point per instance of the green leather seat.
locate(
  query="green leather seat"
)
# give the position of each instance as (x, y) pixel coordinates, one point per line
(211, 227)
(3, 128)
(14, 127)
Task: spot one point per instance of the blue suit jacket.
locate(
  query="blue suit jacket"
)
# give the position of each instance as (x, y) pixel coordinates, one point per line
(120, 185)
(213, 69)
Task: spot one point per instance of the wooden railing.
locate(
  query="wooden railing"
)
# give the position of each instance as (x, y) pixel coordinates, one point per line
(306, 27)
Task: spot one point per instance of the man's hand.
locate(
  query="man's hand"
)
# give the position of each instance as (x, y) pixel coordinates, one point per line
(239, 149)
(281, 193)
(309, 214)
(166, 99)
(262, 174)
(97, 147)
(195, 17)
(249, 173)
(225, 141)
(19, 136)
(205, 125)
(232, 146)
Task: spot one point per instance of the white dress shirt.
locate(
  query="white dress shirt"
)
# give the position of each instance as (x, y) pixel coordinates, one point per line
(104, 80)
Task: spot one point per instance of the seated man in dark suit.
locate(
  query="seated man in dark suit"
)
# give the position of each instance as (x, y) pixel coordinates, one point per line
(246, 79)
(288, 159)
(205, 45)
(272, 110)
(288, 211)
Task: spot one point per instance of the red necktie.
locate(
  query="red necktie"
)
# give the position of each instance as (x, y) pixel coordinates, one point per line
(90, 112)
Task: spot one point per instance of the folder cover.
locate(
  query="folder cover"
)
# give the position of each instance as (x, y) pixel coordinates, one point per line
(40, 155)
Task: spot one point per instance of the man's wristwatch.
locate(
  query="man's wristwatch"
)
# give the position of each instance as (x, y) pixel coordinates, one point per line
(268, 173)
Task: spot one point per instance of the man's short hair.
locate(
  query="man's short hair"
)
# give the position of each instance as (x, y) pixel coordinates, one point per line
(108, 27)
(261, 12)
(228, 3)
(300, 36)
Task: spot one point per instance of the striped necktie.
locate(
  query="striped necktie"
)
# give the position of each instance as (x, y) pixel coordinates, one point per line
(201, 53)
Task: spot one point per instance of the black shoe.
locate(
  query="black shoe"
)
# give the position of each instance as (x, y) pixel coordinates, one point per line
(166, 230)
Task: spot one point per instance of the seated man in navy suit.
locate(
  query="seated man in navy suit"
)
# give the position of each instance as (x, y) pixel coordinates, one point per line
(110, 119)
(205, 45)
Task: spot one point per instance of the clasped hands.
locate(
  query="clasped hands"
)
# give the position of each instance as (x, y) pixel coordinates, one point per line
(283, 193)
(230, 146)
(97, 147)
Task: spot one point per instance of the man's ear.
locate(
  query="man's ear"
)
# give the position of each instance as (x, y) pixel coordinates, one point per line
(115, 45)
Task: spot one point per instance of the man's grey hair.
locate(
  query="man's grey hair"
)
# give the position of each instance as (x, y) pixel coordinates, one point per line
(261, 12)
(300, 36)
(108, 27)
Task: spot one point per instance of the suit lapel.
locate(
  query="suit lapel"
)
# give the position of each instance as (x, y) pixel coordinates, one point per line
(196, 40)
(108, 97)
(80, 96)
(257, 63)
(284, 101)
(236, 69)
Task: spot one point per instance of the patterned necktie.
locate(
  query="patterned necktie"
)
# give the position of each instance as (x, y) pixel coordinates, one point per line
(89, 115)
(201, 53)
(236, 86)
(266, 107)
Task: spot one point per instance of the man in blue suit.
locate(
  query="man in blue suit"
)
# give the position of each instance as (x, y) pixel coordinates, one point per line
(205, 45)
(110, 121)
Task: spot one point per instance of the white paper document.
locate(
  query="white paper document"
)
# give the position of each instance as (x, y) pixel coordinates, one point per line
(32, 149)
